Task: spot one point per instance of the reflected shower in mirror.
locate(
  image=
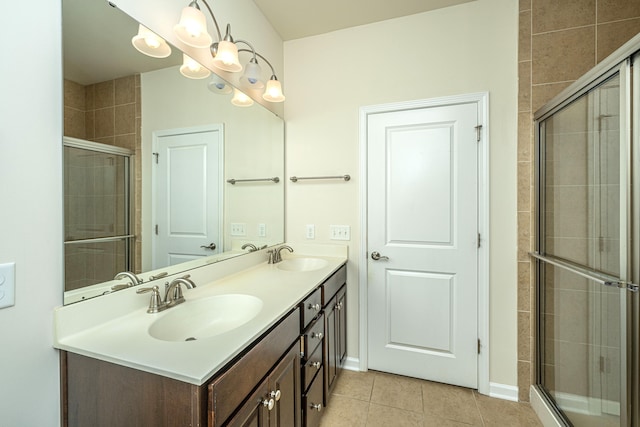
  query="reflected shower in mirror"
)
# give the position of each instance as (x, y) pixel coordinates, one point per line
(183, 141)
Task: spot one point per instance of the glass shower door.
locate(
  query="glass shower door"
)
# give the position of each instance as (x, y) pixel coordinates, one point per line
(98, 240)
(583, 253)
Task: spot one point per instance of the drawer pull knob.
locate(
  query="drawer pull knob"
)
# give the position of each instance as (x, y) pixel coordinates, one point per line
(316, 406)
(276, 394)
(316, 365)
(318, 335)
(269, 403)
(315, 307)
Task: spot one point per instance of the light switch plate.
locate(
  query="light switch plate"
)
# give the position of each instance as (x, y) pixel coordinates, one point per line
(238, 229)
(310, 231)
(262, 230)
(340, 232)
(7, 284)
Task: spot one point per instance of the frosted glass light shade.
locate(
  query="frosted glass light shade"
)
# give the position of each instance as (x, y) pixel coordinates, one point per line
(227, 57)
(251, 77)
(149, 43)
(192, 28)
(240, 99)
(219, 86)
(190, 68)
(273, 92)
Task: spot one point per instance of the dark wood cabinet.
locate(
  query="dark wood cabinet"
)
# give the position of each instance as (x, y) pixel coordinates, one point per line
(276, 400)
(282, 379)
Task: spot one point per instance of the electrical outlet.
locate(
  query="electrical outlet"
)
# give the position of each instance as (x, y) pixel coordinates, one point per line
(7, 284)
(262, 230)
(238, 229)
(340, 232)
(311, 231)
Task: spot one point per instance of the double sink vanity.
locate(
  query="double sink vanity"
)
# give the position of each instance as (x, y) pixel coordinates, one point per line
(254, 343)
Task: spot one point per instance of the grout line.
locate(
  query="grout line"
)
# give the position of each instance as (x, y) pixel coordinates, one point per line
(475, 400)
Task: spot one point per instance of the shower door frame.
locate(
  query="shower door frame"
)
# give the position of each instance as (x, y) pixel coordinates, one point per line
(129, 235)
(618, 63)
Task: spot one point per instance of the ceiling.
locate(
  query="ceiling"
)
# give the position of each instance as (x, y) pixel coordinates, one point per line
(295, 19)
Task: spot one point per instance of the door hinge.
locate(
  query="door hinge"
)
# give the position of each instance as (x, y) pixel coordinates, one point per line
(479, 240)
(478, 345)
(156, 229)
(478, 132)
(156, 155)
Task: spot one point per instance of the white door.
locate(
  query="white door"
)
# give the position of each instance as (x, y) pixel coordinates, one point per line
(188, 194)
(423, 230)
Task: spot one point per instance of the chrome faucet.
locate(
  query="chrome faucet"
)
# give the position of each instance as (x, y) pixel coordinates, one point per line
(251, 246)
(135, 280)
(275, 255)
(172, 297)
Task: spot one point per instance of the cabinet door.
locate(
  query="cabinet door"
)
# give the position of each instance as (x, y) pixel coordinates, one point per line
(284, 388)
(330, 367)
(341, 328)
(255, 411)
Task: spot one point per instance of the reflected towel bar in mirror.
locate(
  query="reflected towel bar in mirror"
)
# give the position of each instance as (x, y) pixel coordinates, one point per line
(233, 181)
(298, 178)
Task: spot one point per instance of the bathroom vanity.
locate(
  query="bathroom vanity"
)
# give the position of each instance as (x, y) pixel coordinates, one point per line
(277, 368)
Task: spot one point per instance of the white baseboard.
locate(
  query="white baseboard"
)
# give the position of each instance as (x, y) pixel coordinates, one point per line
(352, 364)
(503, 391)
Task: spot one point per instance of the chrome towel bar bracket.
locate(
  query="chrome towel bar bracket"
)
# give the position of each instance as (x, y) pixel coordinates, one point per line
(298, 178)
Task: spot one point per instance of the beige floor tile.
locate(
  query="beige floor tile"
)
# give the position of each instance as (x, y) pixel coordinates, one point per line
(357, 385)
(498, 412)
(450, 402)
(345, 412)
(385, 416)
(430, 421)
(398, 392)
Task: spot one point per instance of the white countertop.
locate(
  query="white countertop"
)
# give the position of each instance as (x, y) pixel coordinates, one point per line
(114, 328)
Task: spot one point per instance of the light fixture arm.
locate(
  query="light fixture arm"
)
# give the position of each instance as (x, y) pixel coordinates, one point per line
(273, 71)
(194, 3)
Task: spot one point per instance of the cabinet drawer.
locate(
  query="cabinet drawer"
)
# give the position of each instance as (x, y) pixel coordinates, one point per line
(312, 402)
(313, 336)
(228, 391)
(311, 367)
(333, 283)
(311, 307)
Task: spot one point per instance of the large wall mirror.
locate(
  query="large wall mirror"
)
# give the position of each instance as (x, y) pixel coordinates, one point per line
(162, 173)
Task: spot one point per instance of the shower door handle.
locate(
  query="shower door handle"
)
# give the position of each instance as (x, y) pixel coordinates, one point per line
(211, 246)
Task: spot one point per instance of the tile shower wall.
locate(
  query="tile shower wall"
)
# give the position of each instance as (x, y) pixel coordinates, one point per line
(107, 112)
(558, 42)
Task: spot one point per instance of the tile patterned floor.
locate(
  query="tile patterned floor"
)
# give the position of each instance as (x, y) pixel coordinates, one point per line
(375, 399)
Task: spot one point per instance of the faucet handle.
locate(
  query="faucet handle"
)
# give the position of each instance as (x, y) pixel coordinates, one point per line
(155, 304)
(272, 256)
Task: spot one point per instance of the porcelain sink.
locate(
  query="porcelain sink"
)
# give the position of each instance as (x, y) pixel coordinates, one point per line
(205, 317)
(302, 264)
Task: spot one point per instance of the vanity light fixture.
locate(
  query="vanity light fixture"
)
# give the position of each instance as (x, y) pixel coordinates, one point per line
(192, 30)
(149, 43)
(219, 86)
(190, 68)
(240, 99)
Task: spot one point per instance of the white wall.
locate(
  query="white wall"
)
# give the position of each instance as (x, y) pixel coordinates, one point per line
(31, 225)
(462, 49)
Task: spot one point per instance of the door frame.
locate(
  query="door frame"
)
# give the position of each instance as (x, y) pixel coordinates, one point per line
(154, 176)
(482, 101)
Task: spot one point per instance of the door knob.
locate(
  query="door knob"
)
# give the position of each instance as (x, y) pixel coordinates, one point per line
(376, 256)
(211, 246)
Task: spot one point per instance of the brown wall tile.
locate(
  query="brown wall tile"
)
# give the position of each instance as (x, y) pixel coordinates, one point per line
(613, 35)
(104, 94)
(525, 125)
(613, 10)
(563, 55)
(524, 36)
(553, 15)
(524, 5)
(125, 119)
(125, 90)
(104, 122)
(524, 86)
(74, 123)
(541, 94)
(524, 186)
(74, 95)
